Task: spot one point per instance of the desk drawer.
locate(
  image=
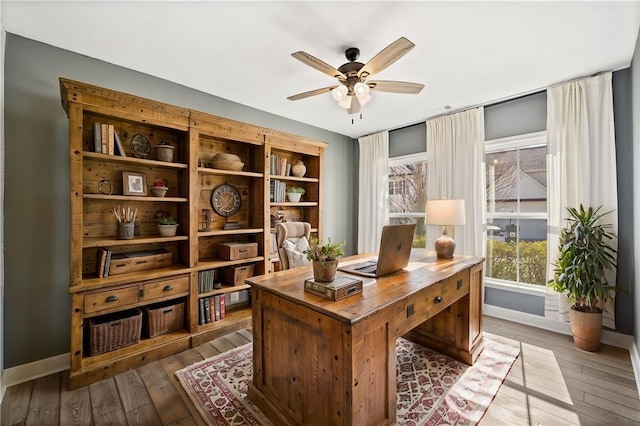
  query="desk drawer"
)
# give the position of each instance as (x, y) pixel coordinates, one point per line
(165, 288)
(431, 300)
(109, 299)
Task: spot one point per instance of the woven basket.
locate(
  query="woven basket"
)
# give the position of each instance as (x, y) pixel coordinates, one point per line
(164, 317)
(114, 331)
(226, 156)
(227, 165)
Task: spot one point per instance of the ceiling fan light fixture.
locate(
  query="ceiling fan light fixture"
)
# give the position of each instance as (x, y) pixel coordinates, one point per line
(361, 89)
(339, 93)
(364, 99)
(345, 103)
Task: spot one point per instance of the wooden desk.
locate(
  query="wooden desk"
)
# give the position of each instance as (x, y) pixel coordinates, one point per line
(318, 361)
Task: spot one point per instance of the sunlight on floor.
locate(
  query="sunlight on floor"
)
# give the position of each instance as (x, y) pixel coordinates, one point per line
(526, 392)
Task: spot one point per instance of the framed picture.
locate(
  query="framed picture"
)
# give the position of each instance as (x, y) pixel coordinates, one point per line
(134, 183)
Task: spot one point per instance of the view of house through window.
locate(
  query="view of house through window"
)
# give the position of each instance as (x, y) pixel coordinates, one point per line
(408, 193)
(517, 210)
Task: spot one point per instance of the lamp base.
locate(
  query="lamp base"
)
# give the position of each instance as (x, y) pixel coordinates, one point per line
(445, 246)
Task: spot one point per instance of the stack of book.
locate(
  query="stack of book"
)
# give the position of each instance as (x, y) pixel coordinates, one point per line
(205, 280)
(102, 262)
(280, 166)
(211, 308)
(232, 225)
(277, 191)
(106, 140)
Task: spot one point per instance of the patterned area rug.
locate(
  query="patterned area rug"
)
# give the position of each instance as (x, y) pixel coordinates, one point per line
(433, 389)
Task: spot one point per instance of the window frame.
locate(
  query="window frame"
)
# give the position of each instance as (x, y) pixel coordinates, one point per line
(526, 140)
(404, 159)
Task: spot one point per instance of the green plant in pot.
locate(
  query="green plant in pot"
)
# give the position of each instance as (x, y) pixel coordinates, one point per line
(294, 193)
(167, 226)
(324, 258)
(581, 270)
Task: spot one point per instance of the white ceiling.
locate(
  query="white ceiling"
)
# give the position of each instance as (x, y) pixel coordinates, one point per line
(467, 53)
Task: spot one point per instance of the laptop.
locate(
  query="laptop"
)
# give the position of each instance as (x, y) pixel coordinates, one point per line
(395, 250)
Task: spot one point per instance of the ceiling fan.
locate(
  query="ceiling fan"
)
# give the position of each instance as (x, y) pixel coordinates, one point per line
(353, 90)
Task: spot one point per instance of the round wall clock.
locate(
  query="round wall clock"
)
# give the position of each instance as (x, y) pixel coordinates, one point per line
(225, 200)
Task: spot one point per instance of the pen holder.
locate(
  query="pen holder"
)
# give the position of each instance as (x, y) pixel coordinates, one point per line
(126, 230)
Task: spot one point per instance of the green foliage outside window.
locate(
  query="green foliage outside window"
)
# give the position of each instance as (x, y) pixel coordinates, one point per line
(504, 261)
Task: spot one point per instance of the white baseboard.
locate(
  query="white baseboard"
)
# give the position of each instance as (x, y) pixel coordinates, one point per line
(612, 338)
(34, 370)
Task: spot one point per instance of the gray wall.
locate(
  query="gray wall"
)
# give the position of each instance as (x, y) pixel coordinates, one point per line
(408, 140)
(36, 224)
(634, 295)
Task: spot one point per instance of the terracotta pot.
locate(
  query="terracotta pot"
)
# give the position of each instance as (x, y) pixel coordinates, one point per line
(587, 329)
(324, 271)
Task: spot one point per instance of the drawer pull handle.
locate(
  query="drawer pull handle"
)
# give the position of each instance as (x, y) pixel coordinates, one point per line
(458, 284)
(111, 299)
(141, 262)
(438, 299)
(168, 287)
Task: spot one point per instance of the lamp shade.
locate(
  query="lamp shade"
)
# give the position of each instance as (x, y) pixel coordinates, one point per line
(445, 212)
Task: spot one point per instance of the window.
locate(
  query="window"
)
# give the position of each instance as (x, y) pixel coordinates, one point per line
(516, 180)
(408, 193)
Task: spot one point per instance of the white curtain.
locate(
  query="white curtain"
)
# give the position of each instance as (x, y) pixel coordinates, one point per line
(455, 167)
(373, 202)
(581, 163)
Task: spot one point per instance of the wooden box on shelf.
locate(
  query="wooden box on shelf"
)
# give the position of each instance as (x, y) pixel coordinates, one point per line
(123, 263)
(114, 331)
(164, 317)
(236, 274)
(237, 250)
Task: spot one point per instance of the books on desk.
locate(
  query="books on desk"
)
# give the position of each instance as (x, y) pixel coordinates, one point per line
(339, 288)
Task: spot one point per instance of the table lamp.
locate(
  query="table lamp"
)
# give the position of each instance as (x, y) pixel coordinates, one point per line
(445, 212)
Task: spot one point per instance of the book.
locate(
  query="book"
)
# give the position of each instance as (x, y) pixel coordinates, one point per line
(104, 132)
(222, 307)
(207, 311)
(342, 286)
(217, 305)
(100, 262)
(107, 264)
(97, 137)
(110, 138)
(200, 311)
(119, 143)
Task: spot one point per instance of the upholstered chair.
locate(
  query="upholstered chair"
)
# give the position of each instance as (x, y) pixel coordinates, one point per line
(288, 237)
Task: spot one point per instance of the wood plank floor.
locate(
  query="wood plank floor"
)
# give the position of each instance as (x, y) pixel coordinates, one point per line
(551, 383)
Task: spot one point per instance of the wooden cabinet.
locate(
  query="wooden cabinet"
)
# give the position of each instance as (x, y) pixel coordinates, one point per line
(103, 171)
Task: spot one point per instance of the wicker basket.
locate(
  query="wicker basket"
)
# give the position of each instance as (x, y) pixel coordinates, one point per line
(227, 165)
(114, 331)
(164, 317)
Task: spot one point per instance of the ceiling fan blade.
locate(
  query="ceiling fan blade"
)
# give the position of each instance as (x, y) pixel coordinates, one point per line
(316, 63)
(311, 93)
(386, 57)
(395, 86)
(355, 105)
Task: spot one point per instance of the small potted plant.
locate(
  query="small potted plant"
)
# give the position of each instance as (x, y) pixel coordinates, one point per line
(581, 270)
(294, 193)
(324, 258)
(167, 226)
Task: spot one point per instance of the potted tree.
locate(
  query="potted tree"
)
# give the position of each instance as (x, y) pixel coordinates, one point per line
(581, 270)
(324, 258)
(167, 226)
